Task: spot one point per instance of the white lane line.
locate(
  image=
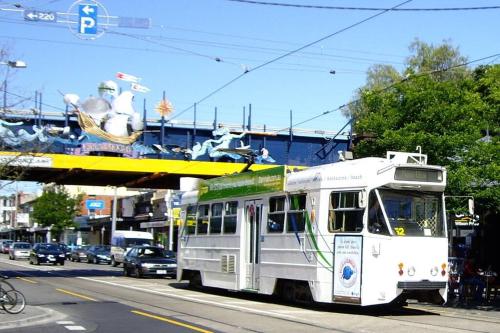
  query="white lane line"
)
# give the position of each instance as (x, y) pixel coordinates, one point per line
(65, 322)
(75, 328)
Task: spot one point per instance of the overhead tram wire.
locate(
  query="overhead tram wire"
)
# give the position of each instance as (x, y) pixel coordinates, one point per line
(411, 77)
(282, 4)
(286, 55)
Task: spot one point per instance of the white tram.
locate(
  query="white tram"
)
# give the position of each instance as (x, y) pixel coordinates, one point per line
(367, 231)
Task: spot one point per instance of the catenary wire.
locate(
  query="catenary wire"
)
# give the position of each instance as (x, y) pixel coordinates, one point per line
(282, 4)
(285, 55)
(410, 77)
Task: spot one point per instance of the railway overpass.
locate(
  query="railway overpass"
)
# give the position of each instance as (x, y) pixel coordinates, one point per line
(113, 171)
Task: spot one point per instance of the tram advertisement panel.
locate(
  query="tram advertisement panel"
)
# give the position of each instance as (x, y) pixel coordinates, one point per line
(347, 269)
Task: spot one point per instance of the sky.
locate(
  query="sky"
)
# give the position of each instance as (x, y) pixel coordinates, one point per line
(197, 51)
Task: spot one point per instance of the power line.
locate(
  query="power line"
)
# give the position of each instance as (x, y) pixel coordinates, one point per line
(281, 4)
(410, 77)
(286, 55)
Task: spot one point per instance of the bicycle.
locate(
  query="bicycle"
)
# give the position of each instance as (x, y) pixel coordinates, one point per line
(12, 300)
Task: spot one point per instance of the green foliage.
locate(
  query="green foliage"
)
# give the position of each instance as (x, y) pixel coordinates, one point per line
(446, 112)
(57, 208)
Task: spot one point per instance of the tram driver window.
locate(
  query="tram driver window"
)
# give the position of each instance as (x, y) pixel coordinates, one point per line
(202, 220)
(296, 213)
(344, 213)
(191, 220)
(376, 221)
(276, 215)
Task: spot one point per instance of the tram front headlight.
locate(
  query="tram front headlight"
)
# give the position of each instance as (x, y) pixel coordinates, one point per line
(401, 265)
(443, 269)
(434, 271)
(411, 271)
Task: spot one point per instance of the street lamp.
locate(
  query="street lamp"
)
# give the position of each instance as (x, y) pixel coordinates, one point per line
(12, 64)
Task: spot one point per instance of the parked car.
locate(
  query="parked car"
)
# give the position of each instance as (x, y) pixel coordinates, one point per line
(148, 260)
(99, 253)
(19, 250)
(4, 245)
(79, 253)
(66, 249)
(47, 253)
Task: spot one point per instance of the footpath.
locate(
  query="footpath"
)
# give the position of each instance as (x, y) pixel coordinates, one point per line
(31, 316)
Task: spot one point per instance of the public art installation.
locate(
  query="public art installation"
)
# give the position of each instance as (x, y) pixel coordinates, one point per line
(109, 124)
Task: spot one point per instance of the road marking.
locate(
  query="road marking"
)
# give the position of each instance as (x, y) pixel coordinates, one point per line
(76, 295)
(65, 322)
(26, 280)
(194, 328)
(75, 328)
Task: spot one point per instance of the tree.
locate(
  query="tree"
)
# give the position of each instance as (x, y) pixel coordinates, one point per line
(445, 108)
(56, 208)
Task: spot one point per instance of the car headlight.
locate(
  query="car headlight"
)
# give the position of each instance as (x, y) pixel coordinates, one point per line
(147, 265)
(172, 265)
(102, 256)
(62, 255)
(41, 255)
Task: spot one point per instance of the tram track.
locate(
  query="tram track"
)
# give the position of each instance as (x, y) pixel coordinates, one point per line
(285, 315)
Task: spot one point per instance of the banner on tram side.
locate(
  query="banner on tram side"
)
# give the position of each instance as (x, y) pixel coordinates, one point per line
(347, 269)
(243, 184)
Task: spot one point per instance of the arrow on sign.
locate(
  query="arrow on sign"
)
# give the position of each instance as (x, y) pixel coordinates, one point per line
(87, 9)
(32, 16)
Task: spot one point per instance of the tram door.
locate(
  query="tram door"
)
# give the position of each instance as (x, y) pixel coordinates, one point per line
(253, 218)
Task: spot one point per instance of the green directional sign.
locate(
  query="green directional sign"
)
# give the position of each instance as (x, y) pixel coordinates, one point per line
(243, 184)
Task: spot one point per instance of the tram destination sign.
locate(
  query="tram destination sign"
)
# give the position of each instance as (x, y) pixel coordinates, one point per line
(243, 184)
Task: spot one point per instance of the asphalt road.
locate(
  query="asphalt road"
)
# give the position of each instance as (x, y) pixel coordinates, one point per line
(98, 298)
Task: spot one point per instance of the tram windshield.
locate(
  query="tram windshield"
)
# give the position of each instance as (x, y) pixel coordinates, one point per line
(409, 213)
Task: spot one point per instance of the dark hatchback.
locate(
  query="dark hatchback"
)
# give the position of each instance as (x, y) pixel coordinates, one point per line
(149, 261)
(47, 253)
(99, 253)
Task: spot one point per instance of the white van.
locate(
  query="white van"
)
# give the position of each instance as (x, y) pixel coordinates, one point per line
(124, 240)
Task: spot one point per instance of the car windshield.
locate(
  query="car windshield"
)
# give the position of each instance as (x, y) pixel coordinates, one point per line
(150, 252)
(103, 249)
(50, 247)
(22, 246)
(137, 242)
(413, 213)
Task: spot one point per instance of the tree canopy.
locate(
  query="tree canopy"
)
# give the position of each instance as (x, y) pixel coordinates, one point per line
(450, 110)
(56, 208)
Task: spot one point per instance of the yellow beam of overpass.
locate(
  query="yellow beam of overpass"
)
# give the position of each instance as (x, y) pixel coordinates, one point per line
(58, 167)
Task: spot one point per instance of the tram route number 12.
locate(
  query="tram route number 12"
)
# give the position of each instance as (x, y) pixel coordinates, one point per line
(400, 231)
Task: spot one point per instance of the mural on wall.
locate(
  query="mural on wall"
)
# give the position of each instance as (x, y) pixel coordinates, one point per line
(109, 124)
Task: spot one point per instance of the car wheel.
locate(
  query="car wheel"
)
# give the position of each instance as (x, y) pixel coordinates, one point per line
(38, 262)
(96, 261)
(137, 273)
(31, 262)
(62, 263)
(126, 272)
(113, 262)
(55, 263)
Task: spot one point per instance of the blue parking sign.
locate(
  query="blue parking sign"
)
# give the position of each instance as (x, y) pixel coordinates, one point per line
(87, 19)
(94, 204)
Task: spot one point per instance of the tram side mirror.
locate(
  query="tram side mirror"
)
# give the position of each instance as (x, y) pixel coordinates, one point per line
(362, 199)
(471, 207)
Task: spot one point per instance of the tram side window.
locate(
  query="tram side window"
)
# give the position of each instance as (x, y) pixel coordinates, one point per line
(276, 215)
(296, 213)
(191, 220)
(230, 217)
(344, 214)
(216, 218)
(202, 220)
